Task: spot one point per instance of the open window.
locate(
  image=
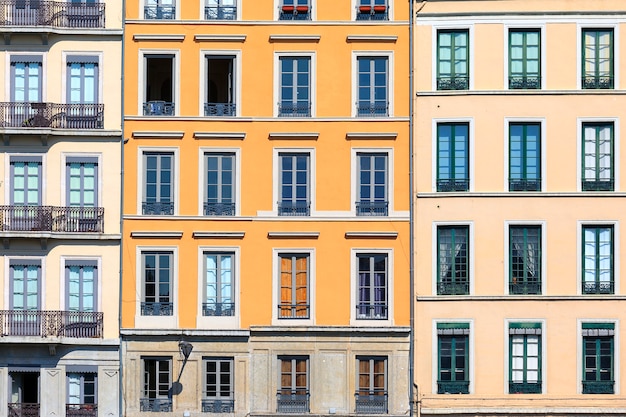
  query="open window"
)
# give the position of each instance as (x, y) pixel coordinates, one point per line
(159, 85)
(220, 93)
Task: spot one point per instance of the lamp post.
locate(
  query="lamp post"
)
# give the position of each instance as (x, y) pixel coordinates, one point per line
(185, 348)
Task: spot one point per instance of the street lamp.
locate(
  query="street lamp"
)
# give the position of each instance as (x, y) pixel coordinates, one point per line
(185, 348)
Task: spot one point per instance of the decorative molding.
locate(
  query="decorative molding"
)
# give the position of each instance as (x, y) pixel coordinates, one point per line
(371, 135)
(371, 38)
(218, 235)
(311, 38)
(148, 37)
(219, 135)
(156, 235)
(219, 38)
(157, 135)
(293, 235)
(294, 135)
(372, 234)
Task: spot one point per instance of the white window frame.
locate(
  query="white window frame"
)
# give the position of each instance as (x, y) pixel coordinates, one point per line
(156, 322)
(7, 281)
(141, 76)
(435, 352)
(580, 351)
(143, 3)
(202, 175)
(354, 285)
(544, 254)
(544, 353)
(355, 81)
(219, 322)
(203, 4)
(579, 250)
(140, 175)
(312, 12)
(312, 55)
(543, 58)
(62, 291)
(276, 252)
(616, 148)
(64, 156)
(470, 52)
(354, 179)
(544, 153)
(593, 24)
(237, 80)
(354, 4)
(470, 149)
(435, 252)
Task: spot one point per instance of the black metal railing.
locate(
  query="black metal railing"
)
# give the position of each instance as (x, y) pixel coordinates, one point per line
(598, 387)
(457, 184)
(157, 405)
(294, 109)
(158, 108)
(598, 185)
(81, 410)
(598, 287)
(220, 109)
(62, 14)
(296, 402)
(377, 12)
(452, 387)
(597, 82)
(525, 184)
(460, 287)
(371, 403)
(453, 83)
(51, 115)
(51, 219)
(218, 406)
(524, 387)
(367, 109)
(293, 311)
(51, 323)
(157, 208)
(294, 13)
(294, 208)
(219, 209)
(23, 410)
(524, 288)
(371, 311)
(372, 208)
(524, 83)
(157, 309)
(218, 309)
(220, 12)
(154, 12)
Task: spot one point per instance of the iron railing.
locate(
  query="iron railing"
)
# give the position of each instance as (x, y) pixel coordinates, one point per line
(218, 406)
(293, 311)
(51, 323)
(453, 83)
(367, 109)
(218, 309)
(286, 109)
(525, 288)
(593, 287)
(288, 12)
(372, 208)
(525, 83)
(23, 410)
(220, 12)
(452, 387)
(598, 387)
(51, 219)
(524, 387)
(157, 208)
(62, 14)
(294, 208)
(371, 311)
(220, 109)
(154, 12)
(457, 184)
(376, 12)
(157, 309)
(296, 402)
(519, 184)
(219, 209)
(598, 185)
(371, 403)
(459, 287)
(157, 405)
(51, 115)
(597, 82)
(158, 108)
(81, 410)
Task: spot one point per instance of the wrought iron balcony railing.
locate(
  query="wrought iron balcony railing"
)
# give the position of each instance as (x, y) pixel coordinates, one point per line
(453, 83)
(597, 82)
(452, 387)
(294, 109)
(376, 12)
(154, 12)
(51, 219)
(598, 185)
(459, 287)
(524, 288)
(51, 323)
(598, 387)
(457, 184)
(219, 209)
(525, 83)
(371, 403)
(294, 208)
(599, 287)
(51, 115)
(296, 402)
(517, 184)
(218, 309)
(158, 108)
(157, 405)
(81, 410)
(220, 12)
(524, 387)
(372, 208)
(220, 109)
(293, 311)
(218, 406)
(158, 208)
(42, 13)
(157, 309)
(288, 12)
(367, 109)
(23, 410)
(371, 311)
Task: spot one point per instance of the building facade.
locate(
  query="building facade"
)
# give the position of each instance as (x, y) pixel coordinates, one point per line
(519, 207)
(60, 170)
(266, 207)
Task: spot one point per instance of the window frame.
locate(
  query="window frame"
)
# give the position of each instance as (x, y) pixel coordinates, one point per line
(94, 59)
(156, 322)
(202, 177)
(580, 141)
(309, 319)
(145, 3)
(373, 309)
(160, 402)
(235, 54)
(599, 329)
(466, 183)
(370, 107)
(371, 205)
(82, 383)
(219, 274)
(27, 58)
(278, 57)
(277, 181)
(311, 12)
(27, 159)
(220, 206)
(614, 52)
(437, 30)
(454, 282)
(82, 159)
(142, 79)
(598, 126)
(141, 176)
(526, 328)
(204, 5)
(371, 399)
(456, 328)
(218, 322)
(96, 263)
(542, 150)
(294, 389)
(540, 29)
(355, 319)
(541, 262)
(614, 225)
(389, 55)
(388, 13)
(41, 281)
(354, 178)
(218, 403)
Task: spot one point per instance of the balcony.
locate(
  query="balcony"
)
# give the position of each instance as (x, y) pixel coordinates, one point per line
(51, 115)
(518, 287)
(371, 311)
(377, 12)
(525, 83)
(525, 184)
(459, 287)
(218, 406)
(297, 402)
(288, 12)
(220, 12)
(51, 219)
(452, 387)
(524, 387)
(294, 208)
(220, 109)
(598, 387)
(158, 108)
(451, 185)
(218, 309)
(219, 209)
(61, 14)
(76, 324)
(81, 410)
(156, 405)
(293, 311)
(367, 109)
(372, 208)
(286, 109)
(597, 83)
(598, 185)
(157, 309)
(155, 12)
(23, 410)
(371, 403)
(593, 287)
(453, 83)
(157, 208)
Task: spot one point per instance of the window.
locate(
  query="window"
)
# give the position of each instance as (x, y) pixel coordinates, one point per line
(372, 286)
(220, 10)
(294, 184)
(24, 389)
(371, 395)
(525, 260)
(598, 260)
(158, 187)
(82, 110)
(373, 96)
(82, 213)
(82, 393)
(219, 292)
(159, 85)
(295, 86)
(160, 9)
(524, 59)
(26, 180)
(452, 157)
(597, 161)
(220, 86)
(372, 199)
(220, 186)
(293, 395)
(598, 358)
(453, 357)
(25, 297)
(597, 59)
(525, 358)
(81, 295)
(26, 107)
(452, 260)
(372, 10)
(452, 60)
(157, 277)
(157, 378)
(294, 286)
(525, 157)
(295, 10)
(218, 393)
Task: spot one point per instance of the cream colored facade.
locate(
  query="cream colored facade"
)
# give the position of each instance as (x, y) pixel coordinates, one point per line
(518, 233)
